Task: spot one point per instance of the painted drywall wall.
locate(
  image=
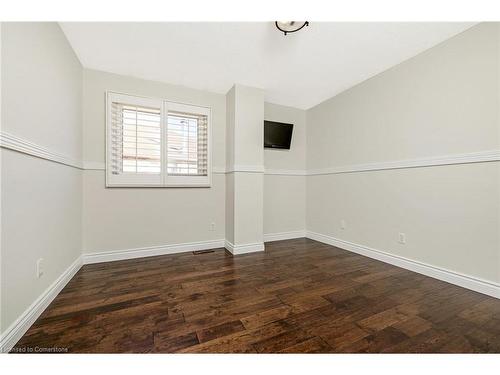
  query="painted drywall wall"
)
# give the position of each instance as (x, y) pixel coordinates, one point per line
(42, 83)
(442, 102)
(295, 158)
(41, 200)
(131, 218)
(248, 130)
(284, 186)
(284, 204)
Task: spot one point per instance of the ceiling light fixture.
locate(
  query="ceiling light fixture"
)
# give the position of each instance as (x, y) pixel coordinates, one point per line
(290, 26)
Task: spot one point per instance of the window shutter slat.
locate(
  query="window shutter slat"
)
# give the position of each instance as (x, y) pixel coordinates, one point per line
(135, 139)
(116, 139)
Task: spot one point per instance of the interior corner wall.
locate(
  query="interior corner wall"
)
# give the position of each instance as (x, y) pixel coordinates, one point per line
(137, 218)
(285, 180)
(441, 103)
(40, 199)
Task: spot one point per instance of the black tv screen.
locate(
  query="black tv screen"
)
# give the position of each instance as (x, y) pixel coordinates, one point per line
(277, 135)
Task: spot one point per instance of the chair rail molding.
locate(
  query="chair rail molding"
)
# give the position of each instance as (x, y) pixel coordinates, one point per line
(15, 143)
(245, 169)
(452, 159)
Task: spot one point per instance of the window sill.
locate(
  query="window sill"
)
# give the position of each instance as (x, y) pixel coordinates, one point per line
(169, 186)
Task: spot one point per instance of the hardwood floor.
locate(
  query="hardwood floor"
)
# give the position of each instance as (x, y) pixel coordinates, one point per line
(300, 296)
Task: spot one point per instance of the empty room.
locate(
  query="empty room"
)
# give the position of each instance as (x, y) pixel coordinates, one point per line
(250, 187)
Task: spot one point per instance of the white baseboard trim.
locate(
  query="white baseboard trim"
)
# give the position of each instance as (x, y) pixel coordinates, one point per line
(110, 256)
(17, 329)
(244, 249)
(469, 282)
(284, 235)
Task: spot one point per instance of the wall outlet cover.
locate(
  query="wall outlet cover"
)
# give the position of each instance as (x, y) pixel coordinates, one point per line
(39, 268)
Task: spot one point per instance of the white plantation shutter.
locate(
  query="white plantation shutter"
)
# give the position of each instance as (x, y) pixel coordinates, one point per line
(151, 142)
(187, 144)
(136, 139)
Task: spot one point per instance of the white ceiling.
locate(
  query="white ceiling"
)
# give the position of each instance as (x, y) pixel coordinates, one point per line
(298, 70)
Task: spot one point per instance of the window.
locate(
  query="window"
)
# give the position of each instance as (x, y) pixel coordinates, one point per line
(187, 140)
(151, 142)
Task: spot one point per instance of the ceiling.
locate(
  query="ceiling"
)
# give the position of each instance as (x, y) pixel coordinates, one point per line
(298, 70)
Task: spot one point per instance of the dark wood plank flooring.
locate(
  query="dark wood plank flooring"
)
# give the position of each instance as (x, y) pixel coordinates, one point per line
(299, 296)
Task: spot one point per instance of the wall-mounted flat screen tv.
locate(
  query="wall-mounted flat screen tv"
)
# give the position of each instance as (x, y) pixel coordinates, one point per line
(277, 135)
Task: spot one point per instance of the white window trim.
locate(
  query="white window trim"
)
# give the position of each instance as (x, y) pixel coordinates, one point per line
(163, 179)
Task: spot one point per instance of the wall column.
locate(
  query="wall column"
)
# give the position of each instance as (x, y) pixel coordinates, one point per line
(245, 170)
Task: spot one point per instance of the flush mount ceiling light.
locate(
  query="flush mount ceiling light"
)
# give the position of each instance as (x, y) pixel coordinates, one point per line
(290, 26)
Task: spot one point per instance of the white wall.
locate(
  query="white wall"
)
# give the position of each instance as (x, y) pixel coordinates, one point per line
(129, 218)
(285, 191)
(295, 158)
(248, 133)
(42, 83)
(442, 102)
(41, 200)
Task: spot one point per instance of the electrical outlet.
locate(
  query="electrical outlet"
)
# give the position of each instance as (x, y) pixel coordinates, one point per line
(212, 227)
(39, 268)
(342, 224)
(402, 238)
